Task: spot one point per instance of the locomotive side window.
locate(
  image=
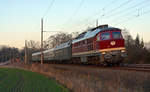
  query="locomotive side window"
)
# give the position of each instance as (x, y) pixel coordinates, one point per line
(116, 35)
(105, 36)
(98, 37)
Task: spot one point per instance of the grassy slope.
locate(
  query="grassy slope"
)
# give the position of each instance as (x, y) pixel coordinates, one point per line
(15, 80)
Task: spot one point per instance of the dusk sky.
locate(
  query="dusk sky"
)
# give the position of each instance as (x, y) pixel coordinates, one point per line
(20, 19)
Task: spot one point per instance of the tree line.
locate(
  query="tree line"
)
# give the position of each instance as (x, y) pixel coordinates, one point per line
(136, 51)
(7, 53)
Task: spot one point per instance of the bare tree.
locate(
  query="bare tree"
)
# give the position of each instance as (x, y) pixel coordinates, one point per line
(58, 39)
(33, 44)
(125, 33)
(74, 34)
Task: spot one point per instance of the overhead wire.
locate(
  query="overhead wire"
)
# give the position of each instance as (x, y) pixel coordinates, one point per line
(73, 14)
(91, 16)
(109, 4)
(121, 5)
(46, 12)
(112, 10)
(131, 12)
(78, 8)
(97, 13)
(49, 7)
(76, 11)
(136, 7)
(126, 9)
(137, 15)
(131, 18)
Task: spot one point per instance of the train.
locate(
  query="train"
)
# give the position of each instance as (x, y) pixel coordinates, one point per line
(101, 45)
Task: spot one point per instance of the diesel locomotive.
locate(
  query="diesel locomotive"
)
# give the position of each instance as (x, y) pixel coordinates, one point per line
(99, 45)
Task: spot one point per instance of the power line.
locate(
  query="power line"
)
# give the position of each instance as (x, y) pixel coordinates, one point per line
(48, 9)
(129, 19)
(42, 55)
(121, 5)
(146, 12)
(76, 11)
(109, 4)
(126, 9)
(139, 13)
(103, 9)
(78, 8)
(112, 10)
(138, 10)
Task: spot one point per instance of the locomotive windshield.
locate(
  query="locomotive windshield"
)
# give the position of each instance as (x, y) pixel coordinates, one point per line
(105, 36)
(116, 35)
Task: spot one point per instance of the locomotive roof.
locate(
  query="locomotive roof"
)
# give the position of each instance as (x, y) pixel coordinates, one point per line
(91, 33)
(36, 53)
(48, 50)
(63, 45)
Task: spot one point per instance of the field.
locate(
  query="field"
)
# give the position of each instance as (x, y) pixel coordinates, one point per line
(88, 79)
(15, 80)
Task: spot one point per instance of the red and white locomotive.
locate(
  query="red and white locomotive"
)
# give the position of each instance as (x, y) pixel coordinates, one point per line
(100, 45)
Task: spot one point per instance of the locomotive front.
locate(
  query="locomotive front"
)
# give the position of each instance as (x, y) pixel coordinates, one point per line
(111, 45)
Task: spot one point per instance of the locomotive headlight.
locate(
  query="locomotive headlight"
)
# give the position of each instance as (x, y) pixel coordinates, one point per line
(112, 43)
(103, 52)
(123, 51)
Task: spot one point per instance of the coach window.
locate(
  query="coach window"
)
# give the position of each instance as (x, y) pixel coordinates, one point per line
(98, 37)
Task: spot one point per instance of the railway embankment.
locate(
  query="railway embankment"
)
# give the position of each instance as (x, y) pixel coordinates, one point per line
(89, 79)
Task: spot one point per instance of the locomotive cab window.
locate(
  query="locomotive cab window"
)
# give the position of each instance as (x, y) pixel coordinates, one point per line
(98, 37)
(105, 36)
(116, 35)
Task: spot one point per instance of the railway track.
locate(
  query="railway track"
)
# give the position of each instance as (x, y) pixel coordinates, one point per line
(139, 67)
(131, 67)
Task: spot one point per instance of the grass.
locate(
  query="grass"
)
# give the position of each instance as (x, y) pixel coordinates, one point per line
(15, 80)
(89, 79)
(86, 79)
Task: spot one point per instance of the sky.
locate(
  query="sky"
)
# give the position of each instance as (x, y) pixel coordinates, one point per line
(20, 19)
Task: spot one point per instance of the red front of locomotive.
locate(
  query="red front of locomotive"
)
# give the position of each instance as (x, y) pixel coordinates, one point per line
(110, 44)
(102, 44)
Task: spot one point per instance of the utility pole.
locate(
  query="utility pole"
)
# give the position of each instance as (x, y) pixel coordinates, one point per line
(10, 55)
(42, 56)
(13, 55)
(25, 58)
(97, 23)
